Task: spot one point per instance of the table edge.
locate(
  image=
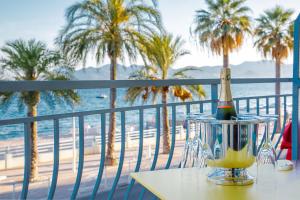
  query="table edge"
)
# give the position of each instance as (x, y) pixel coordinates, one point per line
(157, 194)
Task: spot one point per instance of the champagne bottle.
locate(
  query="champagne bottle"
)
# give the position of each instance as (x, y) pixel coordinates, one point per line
(225, 109)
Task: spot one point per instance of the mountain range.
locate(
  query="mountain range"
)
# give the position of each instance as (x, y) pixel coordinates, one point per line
(259, 69)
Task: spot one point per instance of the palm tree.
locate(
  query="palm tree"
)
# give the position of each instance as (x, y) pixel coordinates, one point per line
(31, 61)
(108, 28)
(160, 53)
(274, 38)
(222, 27)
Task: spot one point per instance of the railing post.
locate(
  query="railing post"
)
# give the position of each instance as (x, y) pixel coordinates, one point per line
(81, 158)
(276, 105)
(296, 85)
(52, 188)
(102, 160)
(214, 97)
(27, 160)
(122, 153)
(237, 106)
(267, 105)
(257, 106)
(74, 161)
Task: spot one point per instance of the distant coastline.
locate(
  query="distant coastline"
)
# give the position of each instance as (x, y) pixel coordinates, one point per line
(247, 69)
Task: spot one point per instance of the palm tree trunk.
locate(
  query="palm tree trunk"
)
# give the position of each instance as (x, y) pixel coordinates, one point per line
(277, 92)
(166, 126)
(32, 112)
(225, 60)
(110, 157)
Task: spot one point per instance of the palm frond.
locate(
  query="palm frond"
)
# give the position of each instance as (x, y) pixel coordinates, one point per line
(274, 33)
(32, 60)
(135, 93)
(160, 52)
(107, 28)
(181, 73)
(222, 26)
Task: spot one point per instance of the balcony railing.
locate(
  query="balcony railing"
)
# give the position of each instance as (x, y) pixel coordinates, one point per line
(243, 104)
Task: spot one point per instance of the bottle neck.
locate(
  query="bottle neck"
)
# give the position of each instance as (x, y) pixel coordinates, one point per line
(225, 109)
(225, 94)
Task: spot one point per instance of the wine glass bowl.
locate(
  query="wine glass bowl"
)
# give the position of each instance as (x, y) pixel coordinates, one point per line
(204, 156)
(186, 155)
(266, 155)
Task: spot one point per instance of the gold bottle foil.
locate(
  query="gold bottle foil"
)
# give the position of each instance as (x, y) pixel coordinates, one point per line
(225, 94)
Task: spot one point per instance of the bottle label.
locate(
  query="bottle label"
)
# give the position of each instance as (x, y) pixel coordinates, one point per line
(225, 104)
(225, 110)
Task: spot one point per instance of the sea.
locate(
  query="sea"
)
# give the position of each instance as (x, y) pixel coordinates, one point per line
(90, 101)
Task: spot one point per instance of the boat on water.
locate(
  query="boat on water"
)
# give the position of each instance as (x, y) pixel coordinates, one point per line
(102, 96)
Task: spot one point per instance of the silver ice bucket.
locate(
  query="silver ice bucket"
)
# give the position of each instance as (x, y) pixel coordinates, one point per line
(233, 144)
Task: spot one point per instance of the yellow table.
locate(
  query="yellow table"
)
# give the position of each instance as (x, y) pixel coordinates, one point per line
(191, 184)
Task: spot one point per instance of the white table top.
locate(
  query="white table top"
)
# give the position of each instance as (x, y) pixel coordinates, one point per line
(191, 184)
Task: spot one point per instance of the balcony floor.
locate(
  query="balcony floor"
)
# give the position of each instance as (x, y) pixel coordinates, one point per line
(119, 194)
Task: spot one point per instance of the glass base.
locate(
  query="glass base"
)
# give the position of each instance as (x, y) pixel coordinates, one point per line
(230, 176)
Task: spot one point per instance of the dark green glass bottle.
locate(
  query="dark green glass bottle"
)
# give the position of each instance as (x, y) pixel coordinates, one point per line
(226, 111)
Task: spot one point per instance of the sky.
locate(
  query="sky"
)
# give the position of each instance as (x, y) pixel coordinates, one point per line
(42, 19)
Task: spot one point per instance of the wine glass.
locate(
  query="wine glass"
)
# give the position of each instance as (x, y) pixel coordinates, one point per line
(187, 159)
(266, 162)
(196, 142)
(204, 153)
(267, 153)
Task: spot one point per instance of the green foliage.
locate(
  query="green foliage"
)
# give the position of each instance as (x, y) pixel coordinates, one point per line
(274, 33)
(223, 25)
(110, 28)
(32, 61)
(160, 52)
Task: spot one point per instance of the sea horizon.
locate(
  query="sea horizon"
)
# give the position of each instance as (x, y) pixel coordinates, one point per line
(90, 99)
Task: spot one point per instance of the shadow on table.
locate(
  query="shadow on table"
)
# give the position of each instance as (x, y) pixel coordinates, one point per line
(119, 194)
(64, 192)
